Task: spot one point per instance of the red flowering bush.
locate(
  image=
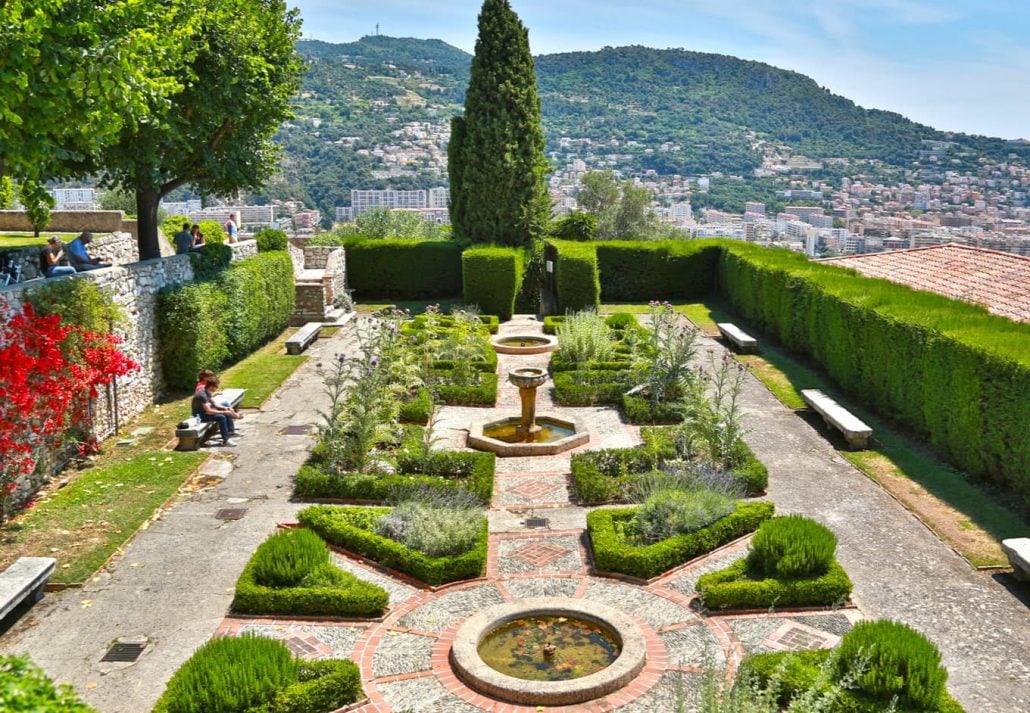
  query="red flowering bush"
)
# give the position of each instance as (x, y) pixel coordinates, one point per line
(48, 373)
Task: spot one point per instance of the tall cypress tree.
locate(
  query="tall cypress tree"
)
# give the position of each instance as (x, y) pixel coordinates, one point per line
(496, 156)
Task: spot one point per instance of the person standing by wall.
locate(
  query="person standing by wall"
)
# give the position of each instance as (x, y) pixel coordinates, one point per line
(183, 240)
(232, 230)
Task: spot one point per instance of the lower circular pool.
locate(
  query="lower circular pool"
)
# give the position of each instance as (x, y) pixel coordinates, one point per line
(549, 648)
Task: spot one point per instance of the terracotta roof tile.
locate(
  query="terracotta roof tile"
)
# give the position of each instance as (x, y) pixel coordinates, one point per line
(996, 280)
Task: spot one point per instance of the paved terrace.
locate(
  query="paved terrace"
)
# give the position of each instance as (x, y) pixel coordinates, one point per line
(174, 582)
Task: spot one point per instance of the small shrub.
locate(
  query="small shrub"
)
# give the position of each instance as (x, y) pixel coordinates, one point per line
(621, 321)
(24, 687)
(791, 547)
(213, 232)
(902, 663)
(228, 675)
(323, 686)
(578, 226)
(288, 557)
(210, 261)
(79, 302)
(679, 501)
(269, 239)
(738, 588)
(434, 523)
(584, 337)
(172, 225)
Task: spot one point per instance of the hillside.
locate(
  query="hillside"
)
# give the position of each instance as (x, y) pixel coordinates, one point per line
(376, 112)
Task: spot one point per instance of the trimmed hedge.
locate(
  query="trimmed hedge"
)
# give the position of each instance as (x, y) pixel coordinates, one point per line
(311, 482)
(418, 408)
(801, 669)
(590, 387)
(351, 529)
(577, 275)
(491, 278)
(945, 369)
(403, 269)
(639, 271)
(270, 239)
(613, 554)
(638, 410)
(205, 325)
(734, 587)
(322, 686)
(482, 394)
(291, 573)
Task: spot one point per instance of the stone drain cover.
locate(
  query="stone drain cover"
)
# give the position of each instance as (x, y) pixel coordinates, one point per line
(231, 513)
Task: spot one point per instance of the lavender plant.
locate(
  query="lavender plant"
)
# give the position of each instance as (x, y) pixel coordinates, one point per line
(434, 522)
(678, 499)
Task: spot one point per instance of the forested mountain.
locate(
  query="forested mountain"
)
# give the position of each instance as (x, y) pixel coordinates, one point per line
(376, 112)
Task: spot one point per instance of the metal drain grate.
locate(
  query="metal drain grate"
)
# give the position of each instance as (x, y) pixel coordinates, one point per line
(125, 650)
(536, 522)
(231, 513)
(302, 430)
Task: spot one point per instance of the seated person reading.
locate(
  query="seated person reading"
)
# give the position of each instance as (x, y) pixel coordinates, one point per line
(79, 256)
(206, 407)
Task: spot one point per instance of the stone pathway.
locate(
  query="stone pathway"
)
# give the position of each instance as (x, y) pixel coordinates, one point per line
(899, 569)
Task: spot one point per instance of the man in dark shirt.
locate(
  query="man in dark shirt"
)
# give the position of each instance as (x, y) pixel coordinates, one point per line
(205, 407)
(183, 240)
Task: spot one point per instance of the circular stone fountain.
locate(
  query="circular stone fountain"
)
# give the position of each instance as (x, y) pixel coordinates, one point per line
(570, 651)
(528, 434)
(524, 344)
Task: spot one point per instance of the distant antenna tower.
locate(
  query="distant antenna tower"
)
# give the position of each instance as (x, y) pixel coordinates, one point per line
(377, 29)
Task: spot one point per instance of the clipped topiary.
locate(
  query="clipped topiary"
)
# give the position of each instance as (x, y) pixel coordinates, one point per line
(791, 547)
(899, 662)
(269, 239)
(287, 557)
(621, 320)
(228, 674)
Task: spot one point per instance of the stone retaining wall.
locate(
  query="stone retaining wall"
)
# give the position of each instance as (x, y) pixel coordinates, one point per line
(116, 248)
(72, 221)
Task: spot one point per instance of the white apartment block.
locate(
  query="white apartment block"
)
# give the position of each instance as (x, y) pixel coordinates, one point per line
(182, 207)
(74, 198)
(248, 216)
(438, 197)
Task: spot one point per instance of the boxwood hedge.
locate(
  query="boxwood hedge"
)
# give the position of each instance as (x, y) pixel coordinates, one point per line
(590, 387)
(643, 270)
(338, 594)
(737, 588)
(352, 529)
(612, 553)
(491, 278)
(403, 269)
(577, 275)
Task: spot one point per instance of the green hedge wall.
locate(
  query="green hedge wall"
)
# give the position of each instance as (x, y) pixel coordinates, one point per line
(639, 271)
(613, 554)
(207, 324)
(735, 587)
(404, 269)
(946, 369)
(577, 275)
(348, 527)
(491, 278)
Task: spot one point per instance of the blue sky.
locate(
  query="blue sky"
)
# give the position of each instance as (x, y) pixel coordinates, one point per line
(955, 65)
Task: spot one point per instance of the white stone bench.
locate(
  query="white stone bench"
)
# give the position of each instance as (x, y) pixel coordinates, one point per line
(192, 432)
(303, 337)
(745, 342)
(1017, 549)
(855, 431)
(25, 578)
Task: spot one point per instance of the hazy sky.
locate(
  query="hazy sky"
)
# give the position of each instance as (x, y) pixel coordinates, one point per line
(953, 64)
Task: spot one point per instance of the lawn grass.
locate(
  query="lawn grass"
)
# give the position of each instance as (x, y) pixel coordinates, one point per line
(962, 513)
(84, 523)
(262, 372)
(374, 304)
(14, 241)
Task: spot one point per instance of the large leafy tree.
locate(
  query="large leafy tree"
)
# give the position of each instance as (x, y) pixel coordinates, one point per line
(623, 210)
(496, 156)
(73, 73)
(240, 74)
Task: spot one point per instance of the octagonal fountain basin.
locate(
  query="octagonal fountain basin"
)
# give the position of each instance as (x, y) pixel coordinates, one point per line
(548, 651)
(550, 435)
(524, 344)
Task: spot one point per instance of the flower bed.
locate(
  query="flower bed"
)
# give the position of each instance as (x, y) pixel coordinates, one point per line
(613, 553)
(353, 529)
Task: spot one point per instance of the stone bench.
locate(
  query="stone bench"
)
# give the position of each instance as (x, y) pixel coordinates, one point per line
(192, 432)
(744, 342)
(303, 337)
(25, 578)
(855, 431)
(1017, 549)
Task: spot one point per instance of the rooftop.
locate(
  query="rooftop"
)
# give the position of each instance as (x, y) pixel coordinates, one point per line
(998, 281)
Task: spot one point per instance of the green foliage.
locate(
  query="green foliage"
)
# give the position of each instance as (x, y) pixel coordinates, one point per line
(123, 201)
(614, 553)
(210, 261)
(287, 557)
(577, 226)
(291, 573)
(433, 522)
(637, 271)
(496, 154)
(585, 337)
(945, 369)
(620, 210)
(228, 675)
(172, 224)
(621, 321)
(590, 387)
(640, 409)
(269, 239)
(352, 528)
(79, 302)
(404, 269)
(24, 688)
(323, 685)
(213, 232)
(6, 193)
(577, 275)
(203, 325)
(379, 223)
(791, 546)
(37, 202)
(491, 278)
(902, 662)
(677, 501)
(737, 588)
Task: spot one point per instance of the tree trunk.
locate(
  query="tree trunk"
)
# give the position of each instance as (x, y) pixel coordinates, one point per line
(146, 215)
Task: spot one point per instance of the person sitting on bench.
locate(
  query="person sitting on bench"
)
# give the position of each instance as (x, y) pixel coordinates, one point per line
(55, 258)
(79, 256)
(205, 407)
(202, 378)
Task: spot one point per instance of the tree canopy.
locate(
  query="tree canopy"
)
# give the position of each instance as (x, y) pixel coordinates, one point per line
(496, 155)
